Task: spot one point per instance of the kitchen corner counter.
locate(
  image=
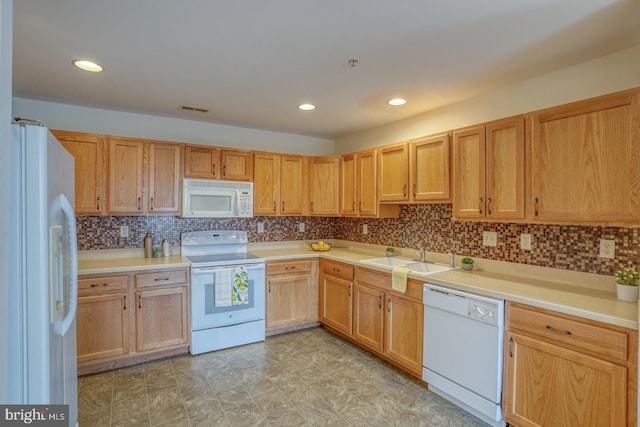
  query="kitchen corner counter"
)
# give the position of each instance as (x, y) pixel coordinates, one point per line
(136, 263)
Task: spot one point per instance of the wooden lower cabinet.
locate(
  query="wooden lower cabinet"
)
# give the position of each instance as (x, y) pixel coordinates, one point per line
(161, 318)
(562, 370)
(128, 318)
(292, 295)
(382, 320)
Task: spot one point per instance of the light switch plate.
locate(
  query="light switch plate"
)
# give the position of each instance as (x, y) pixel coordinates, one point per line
(260, 227)
(301, 227)
(365, 229)
(489, 238)
(607, 248)
(525, 241)
(124, 231)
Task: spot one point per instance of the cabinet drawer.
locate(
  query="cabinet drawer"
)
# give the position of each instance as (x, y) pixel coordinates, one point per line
(102, 285)
(574, 333)
(284, 267)
(337, 269)
(161, 278)
(372, 277)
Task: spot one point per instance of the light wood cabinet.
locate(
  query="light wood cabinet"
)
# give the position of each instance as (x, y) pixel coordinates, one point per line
(563, 370)
(161, 318)
(144, 177)
(358, 186)
(336, 290)
(585, 161)
(416, 171)
(324, 189)
(88, 152)
(132, 317)
(292, 295)
(368, 313)
(489, 171)
(103, 318)
(207, 162)
(281, 185)
(404, 324)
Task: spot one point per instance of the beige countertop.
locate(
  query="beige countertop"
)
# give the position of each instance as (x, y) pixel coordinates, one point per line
(590, 296)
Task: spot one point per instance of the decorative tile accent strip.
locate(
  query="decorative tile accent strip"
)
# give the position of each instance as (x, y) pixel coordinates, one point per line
(558, 246)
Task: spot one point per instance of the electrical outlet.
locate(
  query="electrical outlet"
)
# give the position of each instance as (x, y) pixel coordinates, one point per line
(260, 227)
(301, 227)
(365, 229)
(489, 238)
(525, 241)
(607, 248)
(124, 231)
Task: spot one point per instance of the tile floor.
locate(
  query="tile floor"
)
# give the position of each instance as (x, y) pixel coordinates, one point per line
(306, 378)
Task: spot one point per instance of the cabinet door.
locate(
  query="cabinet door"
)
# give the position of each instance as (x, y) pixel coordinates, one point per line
(288, 300)
(88, 153)
(393, 173)
(335, 303)
(368, 323)
(201, 162)
(102, 326)
(469, 172)
(429, 168)
(403, 332)
(504, 181)
(237, 165)
(126, 178)
(293, 189)
(164, 178)
(549, 385)
(161, 318)
(266, 188)
(585, 160)
(324, 188)
(367, 183)
(348, 184)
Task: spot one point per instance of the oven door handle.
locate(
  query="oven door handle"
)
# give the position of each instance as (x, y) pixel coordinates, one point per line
(209, 270)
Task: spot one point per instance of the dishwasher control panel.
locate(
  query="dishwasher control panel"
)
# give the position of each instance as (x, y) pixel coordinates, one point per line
(484, 312)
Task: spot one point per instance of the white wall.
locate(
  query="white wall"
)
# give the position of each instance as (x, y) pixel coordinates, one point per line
(6, 31)
(607, 74)
(109, 122)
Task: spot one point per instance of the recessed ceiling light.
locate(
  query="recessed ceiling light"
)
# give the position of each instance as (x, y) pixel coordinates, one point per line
(88, 66)
(397, 101)
(307, 107)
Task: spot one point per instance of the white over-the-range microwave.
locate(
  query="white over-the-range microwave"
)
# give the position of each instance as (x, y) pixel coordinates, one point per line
(202, 198)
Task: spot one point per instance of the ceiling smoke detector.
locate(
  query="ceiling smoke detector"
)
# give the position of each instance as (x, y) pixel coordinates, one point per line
(196, 109)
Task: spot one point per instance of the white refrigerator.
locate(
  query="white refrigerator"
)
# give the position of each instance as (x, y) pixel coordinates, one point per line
(43, 272)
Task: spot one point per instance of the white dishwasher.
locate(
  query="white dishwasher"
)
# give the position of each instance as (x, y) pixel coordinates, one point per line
(462, 353)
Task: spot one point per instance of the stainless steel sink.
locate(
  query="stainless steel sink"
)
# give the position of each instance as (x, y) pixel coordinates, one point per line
(394, 261)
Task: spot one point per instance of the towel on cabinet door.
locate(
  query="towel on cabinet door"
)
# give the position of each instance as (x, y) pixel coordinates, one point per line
(240, 292)
(223, 285)
(399, 279)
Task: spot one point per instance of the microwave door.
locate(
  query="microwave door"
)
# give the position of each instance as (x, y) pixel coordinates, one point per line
(212, 203)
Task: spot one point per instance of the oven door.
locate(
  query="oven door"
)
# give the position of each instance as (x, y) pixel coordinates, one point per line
(211, 307)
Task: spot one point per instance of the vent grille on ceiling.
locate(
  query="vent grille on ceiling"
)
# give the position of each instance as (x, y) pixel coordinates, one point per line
(196, 109)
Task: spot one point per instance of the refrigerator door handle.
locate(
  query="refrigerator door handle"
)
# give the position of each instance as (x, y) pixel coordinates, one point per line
(69, 213)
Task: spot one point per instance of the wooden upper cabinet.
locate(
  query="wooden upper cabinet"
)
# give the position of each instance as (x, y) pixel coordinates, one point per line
(324, 187)
(585, 161)
(367, 183)
(237, 165)
(164, 178)
(201, 162)
(144, 177)
(393, 173)
(88, 152)
(280, 186)
(348, 184)
(126, 176)
(416, 171)
(488, 165)
(429, 162)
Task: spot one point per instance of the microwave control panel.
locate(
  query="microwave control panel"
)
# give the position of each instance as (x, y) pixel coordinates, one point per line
(245, 203)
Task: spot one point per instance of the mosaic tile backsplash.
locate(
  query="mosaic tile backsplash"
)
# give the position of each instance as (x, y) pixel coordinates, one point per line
(558, 246)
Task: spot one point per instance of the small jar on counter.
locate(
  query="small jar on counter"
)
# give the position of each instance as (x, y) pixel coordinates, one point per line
(165, 248)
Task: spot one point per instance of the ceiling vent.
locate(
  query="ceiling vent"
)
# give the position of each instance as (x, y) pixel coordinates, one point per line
(196, 109)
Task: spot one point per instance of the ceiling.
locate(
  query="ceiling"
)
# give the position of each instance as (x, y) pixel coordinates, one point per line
(252, 62)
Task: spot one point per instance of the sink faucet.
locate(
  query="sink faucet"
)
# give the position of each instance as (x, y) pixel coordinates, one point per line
(452, 259)
(420, 252)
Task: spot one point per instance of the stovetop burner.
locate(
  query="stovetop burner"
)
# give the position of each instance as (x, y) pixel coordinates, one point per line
(211, 248)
